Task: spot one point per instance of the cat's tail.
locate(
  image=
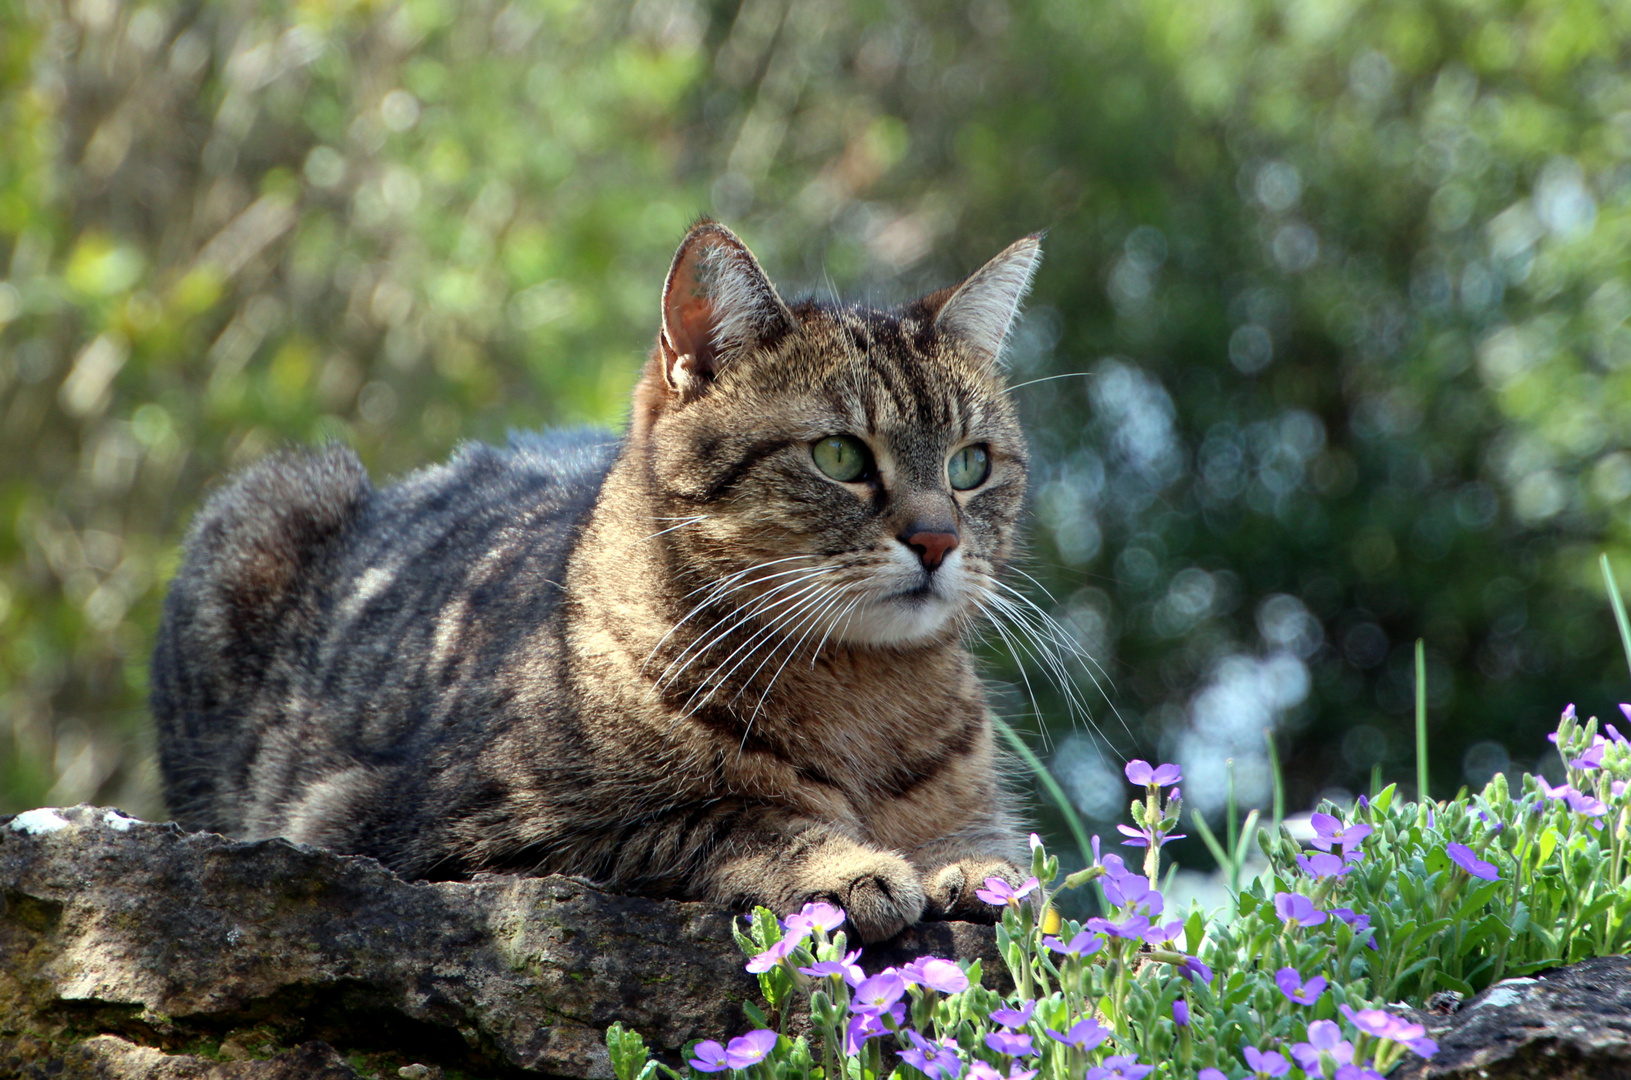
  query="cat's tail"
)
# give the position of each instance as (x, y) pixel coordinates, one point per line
(241, 612)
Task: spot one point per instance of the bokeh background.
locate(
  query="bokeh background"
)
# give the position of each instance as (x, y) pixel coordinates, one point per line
(1338, 290)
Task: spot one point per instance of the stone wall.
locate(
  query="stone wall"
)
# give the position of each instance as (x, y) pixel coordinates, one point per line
(131, 949)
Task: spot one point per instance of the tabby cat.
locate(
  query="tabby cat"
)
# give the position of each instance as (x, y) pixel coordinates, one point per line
(718, 659)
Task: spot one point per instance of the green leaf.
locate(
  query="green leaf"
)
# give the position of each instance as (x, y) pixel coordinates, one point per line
(1475, 900)
(1450, 982)
(1194, 931)
(627, 1051)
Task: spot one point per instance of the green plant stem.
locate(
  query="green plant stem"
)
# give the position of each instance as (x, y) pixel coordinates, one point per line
(1152, 855)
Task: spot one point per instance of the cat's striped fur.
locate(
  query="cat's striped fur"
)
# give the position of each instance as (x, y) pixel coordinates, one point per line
(686, 663)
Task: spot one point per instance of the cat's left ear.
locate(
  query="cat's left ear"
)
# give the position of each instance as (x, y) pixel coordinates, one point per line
(981, 310)
(717, 304)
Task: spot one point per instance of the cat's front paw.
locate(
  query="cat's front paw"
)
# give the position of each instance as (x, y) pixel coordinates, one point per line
(880, 892)
(950, 890)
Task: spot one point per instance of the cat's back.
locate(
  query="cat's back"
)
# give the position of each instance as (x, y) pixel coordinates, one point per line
(319, 625)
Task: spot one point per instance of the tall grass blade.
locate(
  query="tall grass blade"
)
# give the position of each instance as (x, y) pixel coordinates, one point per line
(1279, 781)
(1618, 603)
(1073, 819)
(1210, 839)
(1421, 720)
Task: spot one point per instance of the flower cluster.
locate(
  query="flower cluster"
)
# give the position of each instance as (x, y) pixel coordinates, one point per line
(1384, 900)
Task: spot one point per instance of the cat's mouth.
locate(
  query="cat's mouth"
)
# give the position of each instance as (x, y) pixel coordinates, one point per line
(913, 612)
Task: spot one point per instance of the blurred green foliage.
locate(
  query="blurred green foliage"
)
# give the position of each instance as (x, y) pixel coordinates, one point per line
(1339, 289)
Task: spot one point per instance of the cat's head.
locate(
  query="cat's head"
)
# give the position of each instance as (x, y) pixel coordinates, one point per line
(853, 473)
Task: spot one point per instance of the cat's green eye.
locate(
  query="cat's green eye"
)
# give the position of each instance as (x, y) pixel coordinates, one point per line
(969, 467)
(842, 457)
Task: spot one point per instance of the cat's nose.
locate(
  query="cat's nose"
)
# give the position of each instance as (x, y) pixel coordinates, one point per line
(932, 543)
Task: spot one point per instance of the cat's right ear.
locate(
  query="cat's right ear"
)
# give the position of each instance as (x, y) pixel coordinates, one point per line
(981, 310)
(717, 304)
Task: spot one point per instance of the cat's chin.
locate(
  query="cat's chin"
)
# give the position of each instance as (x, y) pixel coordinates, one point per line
(901, 621)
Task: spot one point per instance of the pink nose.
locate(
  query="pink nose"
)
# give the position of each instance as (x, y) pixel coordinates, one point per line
(931, 547)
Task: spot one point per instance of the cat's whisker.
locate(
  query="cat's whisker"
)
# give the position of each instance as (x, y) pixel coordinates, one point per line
(1044, 648)
(720, 633)
(1048, 378)
(1013, 650)
(768, 634)
(723, 588)
(1062, 637)
(822, 603)
(837, 596)
(671, 528)
(832, 625)
(1034, 643)
(712, 682)
(806, 612)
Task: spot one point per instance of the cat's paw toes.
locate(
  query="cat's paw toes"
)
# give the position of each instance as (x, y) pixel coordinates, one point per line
(881, 895)
(950, 890)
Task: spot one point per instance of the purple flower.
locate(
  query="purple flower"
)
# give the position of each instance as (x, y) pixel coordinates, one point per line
(1593, 757)
(1084, 1035)
(1014, 1018)
(869, 1025)
(1324, 1038)
(980, 1070)
(1585, 804)
(999, 893)
(1131, 927)
(750, 1049)
(1119, 1067)
(1140, 838)
(1462, 856)
(1614, 733)
(1295, 907)
(1180, 1012)
(1085, 943)
(1139, 772)
(1211, 1074)
(1356, 1072)
(1321, 865)
(1268, 1063)
(878, 993)
(937, 1060)
(1155, 935)
(1124, 889)
(941, 975)
(1013, 1045)
(1193, 969)
(710, 1057)
(1328, 832)
(846, 969)
(814, 917)
(1292, 986)
(774, 955)
(1560, 792)
(1385, 1025)
(1360, 923)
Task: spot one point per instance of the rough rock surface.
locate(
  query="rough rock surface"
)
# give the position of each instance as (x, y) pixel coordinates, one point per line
(1568, 1023)
(130, 950)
